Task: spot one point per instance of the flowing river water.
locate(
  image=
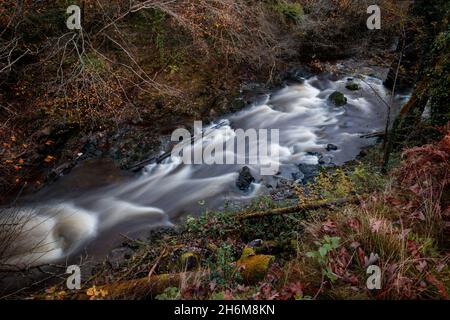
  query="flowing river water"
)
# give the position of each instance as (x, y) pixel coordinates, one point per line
(63, 224)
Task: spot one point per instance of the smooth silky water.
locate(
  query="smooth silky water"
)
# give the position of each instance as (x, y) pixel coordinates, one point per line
(61, 225)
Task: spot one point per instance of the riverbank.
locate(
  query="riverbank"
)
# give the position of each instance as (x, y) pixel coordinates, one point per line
(313, 236)
(314, 245)
(77, 190)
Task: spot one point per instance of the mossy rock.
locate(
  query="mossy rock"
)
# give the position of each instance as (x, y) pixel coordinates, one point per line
(352, 86)
(253, 267)
(247, 252)
(338, 98)
(189, 261)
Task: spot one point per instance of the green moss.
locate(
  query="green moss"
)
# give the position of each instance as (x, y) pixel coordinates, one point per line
(338, 98)
(247, 252)
(254, 268)
(290, 11)
(439, 84)
(352, 86)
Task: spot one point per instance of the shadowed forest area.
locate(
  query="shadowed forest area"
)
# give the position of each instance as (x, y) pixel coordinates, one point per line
(110, 94)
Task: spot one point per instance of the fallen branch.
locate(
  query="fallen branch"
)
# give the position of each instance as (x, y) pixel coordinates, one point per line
(139, 288)
(298, 208)
(372, 135)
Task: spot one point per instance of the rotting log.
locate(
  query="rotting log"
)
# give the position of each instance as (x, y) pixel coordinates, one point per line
(298, 208)
(139, 288)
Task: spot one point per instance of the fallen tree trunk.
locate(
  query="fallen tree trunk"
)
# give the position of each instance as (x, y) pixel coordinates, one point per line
(138, 288)
(298, 208)
(253, 268)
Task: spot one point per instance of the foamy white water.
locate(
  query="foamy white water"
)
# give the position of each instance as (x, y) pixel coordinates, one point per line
(307, 122)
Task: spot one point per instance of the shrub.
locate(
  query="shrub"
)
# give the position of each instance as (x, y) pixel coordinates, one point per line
(290, 11)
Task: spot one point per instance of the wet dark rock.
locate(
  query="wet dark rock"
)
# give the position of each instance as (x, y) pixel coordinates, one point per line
(271, 182)
(250, 92)
(325, 160)
(189, 261)
(338, 98)
(298, 176)
(352, 86)
(284, 189)
(298, 74)
(362, 154)
(255, 243)
(61, 169)
(92, 147)
(253, 86)
(290, 172)
(332, 147)
(310, 171)
(245, 179)
(280, 195)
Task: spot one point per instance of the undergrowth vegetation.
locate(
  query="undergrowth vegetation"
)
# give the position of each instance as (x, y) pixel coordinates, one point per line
(398, 223)
(140, 67)
(150, 66)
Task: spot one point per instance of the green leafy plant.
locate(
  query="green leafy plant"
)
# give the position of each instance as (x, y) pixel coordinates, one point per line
(328, 245)
(170, 293)
(223, 269)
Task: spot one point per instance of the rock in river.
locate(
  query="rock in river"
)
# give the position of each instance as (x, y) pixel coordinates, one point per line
(332, 147)
(352, 86)
(310, 171)
(245, 179)
(338, 98)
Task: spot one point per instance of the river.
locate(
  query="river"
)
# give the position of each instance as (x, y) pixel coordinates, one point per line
(59, 223)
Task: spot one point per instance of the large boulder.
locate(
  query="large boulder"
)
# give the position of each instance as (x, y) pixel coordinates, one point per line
(338, 98)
